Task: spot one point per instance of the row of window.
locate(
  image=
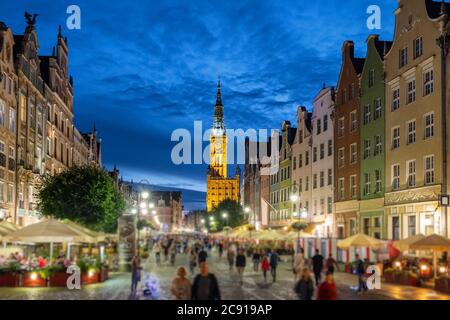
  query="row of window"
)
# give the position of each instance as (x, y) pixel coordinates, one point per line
(7, 83)
(428, 131)
(378, 147)
(319, 210)
(403, 52)
(281, 175)
(353, 124)
(341, 188)
(411, 173)
(3, 116)
(9, 192)
(377, 111)
(278, 196)
(318, 181)
(318, 154)
(410, 94)
(353, 155)
(368, 183)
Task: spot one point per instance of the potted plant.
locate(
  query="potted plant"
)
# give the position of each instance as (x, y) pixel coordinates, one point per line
(34, 278)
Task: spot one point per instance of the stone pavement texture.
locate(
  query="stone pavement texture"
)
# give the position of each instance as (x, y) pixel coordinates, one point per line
(253, 288)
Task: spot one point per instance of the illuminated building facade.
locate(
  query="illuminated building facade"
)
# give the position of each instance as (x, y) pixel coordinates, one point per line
(218, 186)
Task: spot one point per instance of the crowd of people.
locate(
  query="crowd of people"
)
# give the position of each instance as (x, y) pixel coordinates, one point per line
(205, 285)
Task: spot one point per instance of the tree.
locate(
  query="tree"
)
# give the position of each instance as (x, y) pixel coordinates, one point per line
(299, 226)
(86, 195)
(141, 224)
(233, 211)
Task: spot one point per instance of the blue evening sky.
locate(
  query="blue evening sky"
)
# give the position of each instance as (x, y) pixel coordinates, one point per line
(145, 68)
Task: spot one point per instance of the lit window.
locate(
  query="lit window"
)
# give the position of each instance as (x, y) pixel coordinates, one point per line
(395, 138)
(411, 167)
(395, 99)
(418, 47)
(395, 177)
(429, 125)
(429, 169)
(411, 132)
(411, 91)
(428, 82)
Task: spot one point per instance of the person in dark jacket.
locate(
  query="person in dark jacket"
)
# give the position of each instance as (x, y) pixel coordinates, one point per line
(240, 265)
(360, 271)
(274, 259)
(202, 255)
(305, 287)
(256, 259)
(317, 261)
(205, 286)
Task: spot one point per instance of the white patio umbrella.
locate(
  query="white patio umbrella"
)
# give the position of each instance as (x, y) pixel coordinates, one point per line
(435, 243)
(49, 231)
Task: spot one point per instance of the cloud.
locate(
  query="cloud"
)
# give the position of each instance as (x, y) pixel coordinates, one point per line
(143, 69)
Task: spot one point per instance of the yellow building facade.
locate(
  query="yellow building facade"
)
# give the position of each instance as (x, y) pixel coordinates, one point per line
(218, 186)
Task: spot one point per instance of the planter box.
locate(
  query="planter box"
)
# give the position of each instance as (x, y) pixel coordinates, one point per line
(408, 280)
(389, 277)
(86, 279)
(442, 284)
(59, 279)
(27, 280)
(9, 279)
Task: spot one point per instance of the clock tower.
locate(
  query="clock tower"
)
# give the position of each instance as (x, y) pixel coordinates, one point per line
(218, 140)
(218, 186)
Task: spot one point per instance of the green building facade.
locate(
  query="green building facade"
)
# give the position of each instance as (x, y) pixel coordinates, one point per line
(372, 140)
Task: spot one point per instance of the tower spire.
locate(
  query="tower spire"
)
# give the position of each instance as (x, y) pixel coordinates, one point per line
(218, 110)
(219, 95)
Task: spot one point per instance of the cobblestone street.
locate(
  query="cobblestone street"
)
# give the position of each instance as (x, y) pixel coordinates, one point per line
(254, 288)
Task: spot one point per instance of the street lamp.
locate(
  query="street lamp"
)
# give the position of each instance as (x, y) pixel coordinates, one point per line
(225, 216)
(142, 208)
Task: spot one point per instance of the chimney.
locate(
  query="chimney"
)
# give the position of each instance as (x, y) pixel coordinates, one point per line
(348, 49)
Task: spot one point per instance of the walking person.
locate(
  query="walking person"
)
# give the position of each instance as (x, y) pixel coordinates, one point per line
(274, 259)
(192, 260)
(135, 273)
(181, 288)
(299, 264)
(256, 258)
(265, 266)
(202, 255)
(317, 261)
(330, 264)
(157, 251)
(220, 250)
(360, 271)
(305, 286)
(205, 285)
(230, 257)
(240, 265)
(327, 290)
(173, 253)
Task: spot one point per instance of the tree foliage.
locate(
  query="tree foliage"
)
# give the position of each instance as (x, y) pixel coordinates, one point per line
(235, 215)
(299, 225)
(86, 195)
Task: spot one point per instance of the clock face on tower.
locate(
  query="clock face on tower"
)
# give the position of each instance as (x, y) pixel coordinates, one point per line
(218, 145)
